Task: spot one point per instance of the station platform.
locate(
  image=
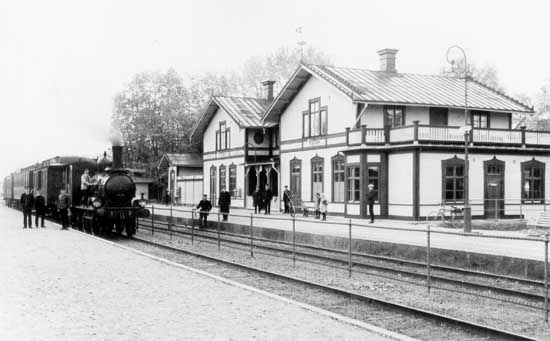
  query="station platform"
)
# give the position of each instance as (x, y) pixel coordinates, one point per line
(65, 285)
(508, 252)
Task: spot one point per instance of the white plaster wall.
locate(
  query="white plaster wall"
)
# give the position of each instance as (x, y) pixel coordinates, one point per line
(209, 137)
(373, 117)
(306, 157)
(421, 114)
(456, 118)
(341, 110)
(431, 186)
(400, 184)
(499, 120)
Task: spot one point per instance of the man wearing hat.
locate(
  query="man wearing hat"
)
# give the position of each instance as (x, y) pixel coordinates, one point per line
(27, 202)
(39, 208)
(204, 207)
(371, 198)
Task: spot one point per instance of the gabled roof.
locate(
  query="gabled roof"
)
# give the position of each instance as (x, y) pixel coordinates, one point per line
(184, 159)
(397, 88)
(247, 112)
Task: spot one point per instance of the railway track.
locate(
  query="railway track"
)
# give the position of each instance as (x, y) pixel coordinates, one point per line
(383, 309)
(524, 298)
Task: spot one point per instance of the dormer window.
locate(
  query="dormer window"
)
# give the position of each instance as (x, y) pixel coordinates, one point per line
(315, 120)
(222, 137)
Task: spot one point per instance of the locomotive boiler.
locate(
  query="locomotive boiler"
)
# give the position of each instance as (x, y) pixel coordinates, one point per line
(109, 204)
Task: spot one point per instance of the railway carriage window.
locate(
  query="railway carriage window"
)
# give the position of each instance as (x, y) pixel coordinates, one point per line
(374, 177)
(453, 180)
(222, 178)
(354, 183)
(338, 178)
(532, 181)
(394, 116)
(233, 180)
(317, 168)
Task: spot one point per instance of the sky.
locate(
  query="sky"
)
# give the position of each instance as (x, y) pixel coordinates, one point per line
(62, 62)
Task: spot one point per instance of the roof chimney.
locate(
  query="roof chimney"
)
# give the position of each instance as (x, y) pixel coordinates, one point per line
(268, 85)
(387, 60)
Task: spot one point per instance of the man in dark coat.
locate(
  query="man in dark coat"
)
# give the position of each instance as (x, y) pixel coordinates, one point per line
(224, 202)
(371, 198)
(204, 207)
(27, 203)
(40, 209)
(268, 196)
(257, 201)
(63, 208)
(286, 199)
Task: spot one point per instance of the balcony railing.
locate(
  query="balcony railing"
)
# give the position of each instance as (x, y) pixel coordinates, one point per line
(419, 133)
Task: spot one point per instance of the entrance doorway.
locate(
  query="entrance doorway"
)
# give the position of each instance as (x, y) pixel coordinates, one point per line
(494, 189)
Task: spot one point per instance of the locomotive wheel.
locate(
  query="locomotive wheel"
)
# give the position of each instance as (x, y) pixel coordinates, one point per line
(96, 227)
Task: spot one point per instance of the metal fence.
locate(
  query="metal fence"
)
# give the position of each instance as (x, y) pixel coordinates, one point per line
(355, 252)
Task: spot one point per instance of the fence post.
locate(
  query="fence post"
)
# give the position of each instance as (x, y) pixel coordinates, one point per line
(218, 230)
(192, 226)
(153, 220)
(251, 236)
(171, 222)
(349, 251)
(520, 208)
(546, 278)
(429, 260)
(294, 241)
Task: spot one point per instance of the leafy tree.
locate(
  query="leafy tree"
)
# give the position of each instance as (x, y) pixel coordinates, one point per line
(157, 111)
(153, 115)
(541, 119)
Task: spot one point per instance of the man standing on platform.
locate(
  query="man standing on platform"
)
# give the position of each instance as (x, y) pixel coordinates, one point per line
(371, 198)
(224, 202)
(268, 197)
(40, 209)
(27, 203)
(204, 207)
(286, 199)
(63, 207)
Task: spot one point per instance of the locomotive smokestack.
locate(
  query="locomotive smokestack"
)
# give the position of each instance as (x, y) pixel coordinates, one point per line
(117, 157)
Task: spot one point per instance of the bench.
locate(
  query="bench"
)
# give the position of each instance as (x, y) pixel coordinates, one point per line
(543, 220)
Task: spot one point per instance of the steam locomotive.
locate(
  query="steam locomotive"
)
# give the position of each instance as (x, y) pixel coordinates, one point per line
(109, 205)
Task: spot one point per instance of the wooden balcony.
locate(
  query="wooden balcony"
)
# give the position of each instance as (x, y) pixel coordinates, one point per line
(427, 134)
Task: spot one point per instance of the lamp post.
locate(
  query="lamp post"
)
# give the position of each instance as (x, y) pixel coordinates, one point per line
(467, 131)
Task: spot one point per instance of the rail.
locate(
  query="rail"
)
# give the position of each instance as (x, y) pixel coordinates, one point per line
(352, 231)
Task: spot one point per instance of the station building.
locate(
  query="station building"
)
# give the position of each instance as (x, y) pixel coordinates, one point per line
(334, 130)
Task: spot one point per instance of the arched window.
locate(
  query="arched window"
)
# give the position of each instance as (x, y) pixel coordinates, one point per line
(213, 191)
(223, 178)
(296, 178)
(317, 175)
(338, 177)
(532, 181)
(233, 180)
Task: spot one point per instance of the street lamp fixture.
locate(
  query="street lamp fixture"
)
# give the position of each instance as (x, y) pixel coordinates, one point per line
(467, 132)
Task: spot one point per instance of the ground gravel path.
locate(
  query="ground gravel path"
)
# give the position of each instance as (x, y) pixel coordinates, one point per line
(62, 285)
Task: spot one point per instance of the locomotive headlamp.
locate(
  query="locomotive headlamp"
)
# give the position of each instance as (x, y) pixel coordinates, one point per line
(97, 203)
(142, 203)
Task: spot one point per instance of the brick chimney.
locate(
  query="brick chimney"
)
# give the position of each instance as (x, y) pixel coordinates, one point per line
(268, 85)
(387, 60)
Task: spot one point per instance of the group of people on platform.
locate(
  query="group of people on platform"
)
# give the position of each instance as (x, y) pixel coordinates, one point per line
(262, 200)
(32, 200)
